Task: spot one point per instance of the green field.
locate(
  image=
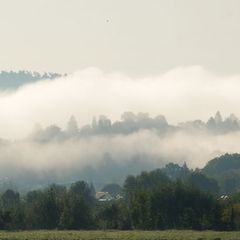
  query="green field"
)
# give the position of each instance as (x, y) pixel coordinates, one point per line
(112, 235)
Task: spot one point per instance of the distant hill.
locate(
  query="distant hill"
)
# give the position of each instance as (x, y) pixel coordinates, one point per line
(222, 164)
(14, 80)
(226, 170)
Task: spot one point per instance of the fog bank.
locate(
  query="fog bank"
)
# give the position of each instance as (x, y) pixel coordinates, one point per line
(180, 94)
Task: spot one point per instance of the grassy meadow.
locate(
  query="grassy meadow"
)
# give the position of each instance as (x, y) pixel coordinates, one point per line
(112, 235)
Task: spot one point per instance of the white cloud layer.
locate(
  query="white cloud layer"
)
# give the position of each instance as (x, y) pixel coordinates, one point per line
(180, 94)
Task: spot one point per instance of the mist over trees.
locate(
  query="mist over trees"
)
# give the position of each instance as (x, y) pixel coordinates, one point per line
(106, 151)
(128, 124)
(131, 123)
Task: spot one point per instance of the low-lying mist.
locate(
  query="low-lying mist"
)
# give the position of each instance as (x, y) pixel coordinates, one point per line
(109, 158)
(108, 153)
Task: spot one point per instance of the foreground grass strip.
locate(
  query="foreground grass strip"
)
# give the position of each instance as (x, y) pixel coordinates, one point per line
(119, 235)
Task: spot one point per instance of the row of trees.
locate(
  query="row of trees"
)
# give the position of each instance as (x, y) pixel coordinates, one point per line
(103, 125)
(50, 208)
(151, 201)
(131, 123)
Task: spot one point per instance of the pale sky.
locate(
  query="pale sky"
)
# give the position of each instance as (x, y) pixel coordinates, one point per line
(136, 37)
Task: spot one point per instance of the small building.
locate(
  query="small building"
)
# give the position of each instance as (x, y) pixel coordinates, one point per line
(103, 196)
(224, 197)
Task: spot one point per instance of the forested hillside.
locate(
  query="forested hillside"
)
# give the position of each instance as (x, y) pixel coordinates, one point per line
(226, 170)
(149, 201)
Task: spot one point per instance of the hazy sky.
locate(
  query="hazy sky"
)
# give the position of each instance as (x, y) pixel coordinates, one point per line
(135, 37)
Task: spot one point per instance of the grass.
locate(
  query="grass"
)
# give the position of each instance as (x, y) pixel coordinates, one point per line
(119, 235)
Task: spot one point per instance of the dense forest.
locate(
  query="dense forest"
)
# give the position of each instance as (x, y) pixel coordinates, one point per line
(173, 197)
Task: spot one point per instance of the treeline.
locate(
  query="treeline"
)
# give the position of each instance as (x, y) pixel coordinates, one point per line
(150, 201)
(13, 80)
(131, 123)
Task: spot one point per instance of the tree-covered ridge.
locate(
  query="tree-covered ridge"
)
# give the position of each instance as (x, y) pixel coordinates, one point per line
(222, 164)
(226, 170)
(13, 80)
(151, 201)
(220, 176)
